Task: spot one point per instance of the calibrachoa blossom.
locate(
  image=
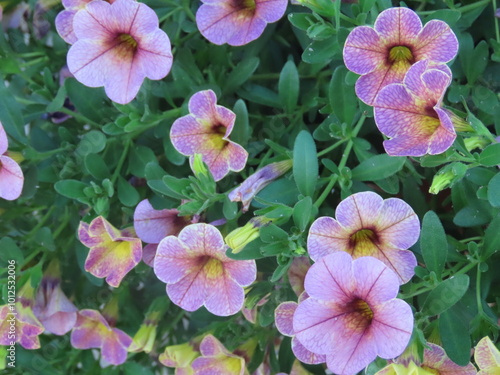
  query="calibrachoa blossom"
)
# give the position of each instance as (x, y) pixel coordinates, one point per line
(206, 131)
(118, 45)
(113, 253)
(249, 188)
(383, 54)
(487, 357)
(435, 361)
(197, 271)
(52, 307)
(216, 359)
(180, 357)
(367, 225)
(237, 22)
(352, 314)
(11, 175)
(64, 20)
(410, 113)
(92, 330)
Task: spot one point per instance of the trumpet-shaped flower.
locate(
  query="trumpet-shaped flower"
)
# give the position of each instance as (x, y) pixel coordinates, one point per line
(352, 303)
(64, 20)
(216, 359)
(11, 175)
(237, 22)
(487, 357)
(113, 253)
(383, 54)
(246, 192)
(92, 330)
(410, 113)
(180, 357)
(435, 361)
(197, 271)
(206, 131)
(52, 307)
(118, 45)
(367, 225)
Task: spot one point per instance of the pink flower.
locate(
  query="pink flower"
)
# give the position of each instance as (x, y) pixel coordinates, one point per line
(368, 225)
(487, 357)
(197, 271)
(383, 54)
(113, 253)
(216, 359)
(64, 20)
(11, 175)
(52, 307)
(237, 22)
(411, 115)
(153, 225)
(247, 191)
(352, 315)
(206, 131)
(93, 331)
(118, 46)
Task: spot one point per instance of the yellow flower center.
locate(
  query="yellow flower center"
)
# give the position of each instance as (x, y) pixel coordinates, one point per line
(363, 242)
(360, 315)
(128, 40)
(213, 268)
(245, 4)
(400, 53)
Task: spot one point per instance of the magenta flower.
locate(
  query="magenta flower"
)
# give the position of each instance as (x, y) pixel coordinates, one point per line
(367, 225)
(216, 359)
(247, 191)
(197, 271)
(383, 54)
(64, 20)
(237, 22)
(11, 175)
(206, 131)
(93, 331)
(487, 357)
(52, 307)
(118, 45)
(411, 115)
(352, 303)
(113, 253)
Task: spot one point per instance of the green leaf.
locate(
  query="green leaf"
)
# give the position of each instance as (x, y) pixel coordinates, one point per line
(229, 209)
(92, 142)
(301, 21)
(450, 16)
(288, 86)
(445, 295)
(250, 251)
(241, 73)
(127, 194)
(88, 101)
(305, 163)
(454, 332)
(96, 166)
(241, 131)
(272, 233)
(176, 185)
(260, 95)
(10, 251)
(494, 191)
(490, 155)
(342, 101)
(433, 243)
(44, 238)
(321, 51)
(70, 188)
(378, 167)
(140, 156)
(491, 239)
(302, 212)
(11, 114)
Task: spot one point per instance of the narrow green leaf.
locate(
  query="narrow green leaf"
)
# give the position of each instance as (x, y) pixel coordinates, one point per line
(491, 239)
(343, 102)
(305, 163)
(96, 166)
(241, 130)
(433, 243)
(378, 167)
(302, 212)
(241, 73)
(445, 295)
(288, 86)
(70, 188)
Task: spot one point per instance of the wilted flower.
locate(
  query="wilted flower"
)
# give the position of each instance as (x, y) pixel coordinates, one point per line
(118, 45)
(410, 113)
(216, 359)
(383, 54)
(237, 22)
(487, 357)
(52, 307)
(113, 253)
(197, 271)
(92, 330)
(180, 357)
(206, 131)
(352, 303)
(11, 175)
(246, 192)
(240, 237)
(367, 225)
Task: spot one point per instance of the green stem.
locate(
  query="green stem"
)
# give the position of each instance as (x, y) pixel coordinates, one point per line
(79, 116)
(42, 222)
(497, 31)
(471, 239)
(478, 291)
(348, 19)
(332, 147)
(185, 6)
(121, 161)
(327, 190)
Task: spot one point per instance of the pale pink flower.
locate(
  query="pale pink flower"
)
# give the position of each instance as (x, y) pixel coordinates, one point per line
(64, 20)
(11, 175)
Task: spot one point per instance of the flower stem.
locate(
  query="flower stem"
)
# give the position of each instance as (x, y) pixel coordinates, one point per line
(121, 161)
(497, 31)
(478, 291)
(332, 147)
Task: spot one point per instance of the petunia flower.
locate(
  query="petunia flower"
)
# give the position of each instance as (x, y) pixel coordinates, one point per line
(367, 225)
(216, 359)
(435, 361)
(383, 54)
(113, 253)
(118, 45)
(487, 357)
(410, 113)
(92, 330)
(249, 188)
(180, 357)
(197, 271)
(206, 131)
(64, 20)
(237, 22)
(56, 312)
(152, 226)
(11, 175)
(352, 314)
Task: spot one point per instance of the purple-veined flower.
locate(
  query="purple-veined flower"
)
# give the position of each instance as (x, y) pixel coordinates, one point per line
(117, 46)
(64, 20)
(237, 22)
(487, 357)
(206, 131)
(383, 54)
(11, 175)
(367, 225)
(216, 359)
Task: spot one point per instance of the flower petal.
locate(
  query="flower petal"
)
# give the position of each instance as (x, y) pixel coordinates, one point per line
(326, 236)
(244, 272)
(4, 142)
(283, 317)
(154, 225)
(11, 179)
(375, 282)
(203, 239)
(436, 358)
(436, 42)
(224, 296)
(304, 355)
(190, 291)
(359, 211)
(486, 354)
(202, 105)
(363, 50)
(270, 10)
(398, 25)
(173, 261)
(398, 225)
